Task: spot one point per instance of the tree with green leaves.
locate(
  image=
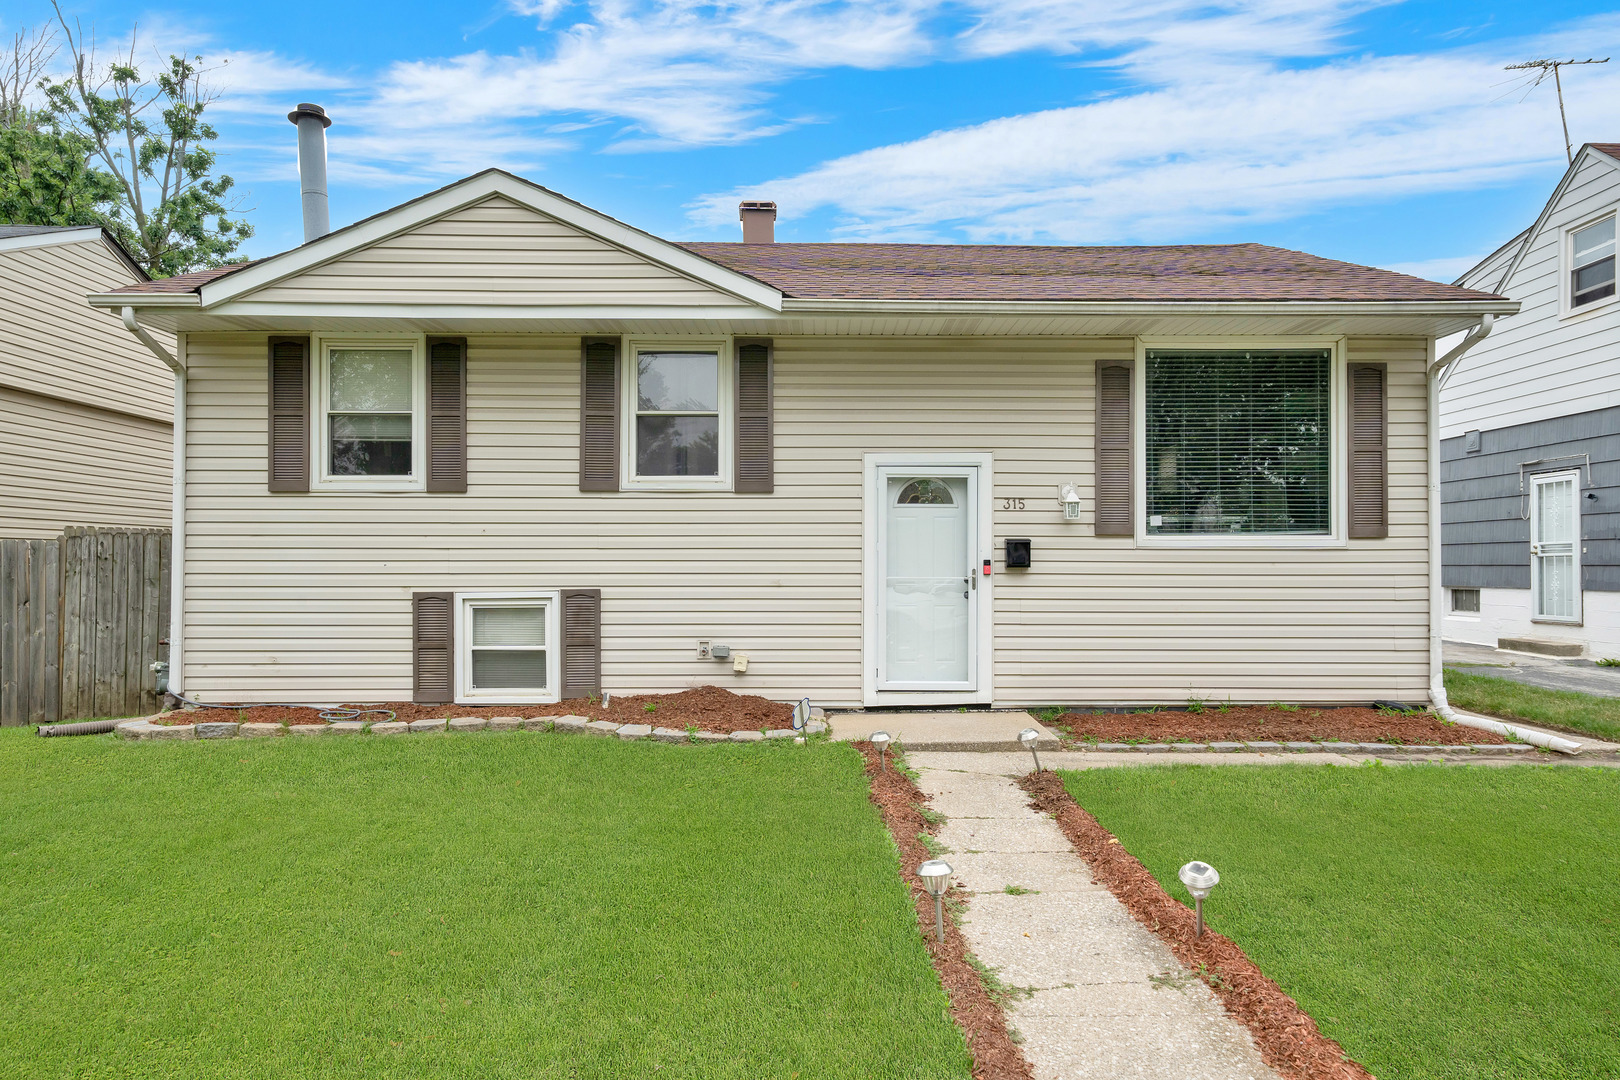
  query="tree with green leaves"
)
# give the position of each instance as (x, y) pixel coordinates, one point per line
(45, 173)
(147, 134)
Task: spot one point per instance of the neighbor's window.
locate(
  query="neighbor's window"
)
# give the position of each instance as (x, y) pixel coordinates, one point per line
(1592, 258)
(369, 411)
(508, 646)
(677, 416)
(1465, 601)
(1238, 443)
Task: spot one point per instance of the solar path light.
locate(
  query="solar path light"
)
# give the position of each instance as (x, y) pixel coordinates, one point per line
(1028, 737)
(881, 740)
(936, 874)
(1200, 878)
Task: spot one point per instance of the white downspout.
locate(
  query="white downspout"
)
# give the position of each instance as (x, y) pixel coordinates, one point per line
(1438, 371)
(177, 525)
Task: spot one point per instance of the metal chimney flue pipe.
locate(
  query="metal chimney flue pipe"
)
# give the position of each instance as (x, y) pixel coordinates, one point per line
(758, 222)
(312, 123)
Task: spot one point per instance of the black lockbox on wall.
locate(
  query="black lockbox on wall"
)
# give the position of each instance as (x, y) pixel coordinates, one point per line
(1018, 554)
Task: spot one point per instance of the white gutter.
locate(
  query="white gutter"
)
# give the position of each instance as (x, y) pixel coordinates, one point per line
(177, 525)
(1437, 674)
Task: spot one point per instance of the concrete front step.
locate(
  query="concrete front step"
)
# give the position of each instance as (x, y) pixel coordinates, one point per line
(943, 730)
(1540, 647)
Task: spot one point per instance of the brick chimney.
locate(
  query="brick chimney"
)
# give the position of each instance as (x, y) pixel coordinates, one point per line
(758, 222)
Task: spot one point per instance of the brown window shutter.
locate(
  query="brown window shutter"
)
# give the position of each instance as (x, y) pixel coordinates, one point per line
(755, 462)
(433, 648)
(447, 414)
(1369, 451)
(289, 414)
(1113, 496)
(599, 415)
(582, 642)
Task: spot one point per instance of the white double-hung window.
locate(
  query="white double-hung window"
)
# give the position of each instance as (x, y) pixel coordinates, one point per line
(678, 409)
(510, 651)
(1591, 276)
(369, 424)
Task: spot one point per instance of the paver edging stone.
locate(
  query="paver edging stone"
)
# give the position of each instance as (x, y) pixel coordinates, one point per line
(145, 728)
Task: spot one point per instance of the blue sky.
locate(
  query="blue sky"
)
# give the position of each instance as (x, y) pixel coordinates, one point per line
(1382, 133)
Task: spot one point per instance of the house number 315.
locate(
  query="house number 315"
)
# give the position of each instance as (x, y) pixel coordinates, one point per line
(1012, 504)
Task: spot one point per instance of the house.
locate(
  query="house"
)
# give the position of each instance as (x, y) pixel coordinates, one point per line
(494, 446)
(1530, 427)
(86, 435)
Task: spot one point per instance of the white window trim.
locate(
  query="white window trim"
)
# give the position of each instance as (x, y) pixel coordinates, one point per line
(1536, 480)
(1338, 440)
(628, 401)
(1566, 268)
(464, 602)
(1452, 611)
(321, 451)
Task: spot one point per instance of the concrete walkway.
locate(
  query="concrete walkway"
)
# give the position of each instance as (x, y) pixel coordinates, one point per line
(1549, 673)
(1097, 994)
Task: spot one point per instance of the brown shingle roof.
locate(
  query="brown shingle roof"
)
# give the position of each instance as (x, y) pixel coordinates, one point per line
(1187, 272)
(185, 283)
(1190, 272)
(1610, 148)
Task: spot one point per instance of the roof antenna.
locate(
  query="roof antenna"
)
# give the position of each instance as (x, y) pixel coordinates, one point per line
(1544, 66)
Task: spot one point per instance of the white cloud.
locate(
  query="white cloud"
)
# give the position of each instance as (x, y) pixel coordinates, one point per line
(1445, 269)
(1191, 156)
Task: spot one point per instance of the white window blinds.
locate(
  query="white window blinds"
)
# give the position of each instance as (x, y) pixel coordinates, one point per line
(1238, 442)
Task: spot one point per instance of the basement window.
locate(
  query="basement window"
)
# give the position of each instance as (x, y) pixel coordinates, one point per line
(1465, 601)
(1592, 263)
(509, 648)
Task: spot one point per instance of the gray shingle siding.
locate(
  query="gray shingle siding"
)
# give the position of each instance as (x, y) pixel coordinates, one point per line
(1485, 531)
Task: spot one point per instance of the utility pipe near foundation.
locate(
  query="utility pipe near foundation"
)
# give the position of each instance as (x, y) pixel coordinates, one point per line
(1438, 371)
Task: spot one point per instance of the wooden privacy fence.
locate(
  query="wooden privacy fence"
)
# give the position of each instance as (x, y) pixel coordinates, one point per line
(81, 621)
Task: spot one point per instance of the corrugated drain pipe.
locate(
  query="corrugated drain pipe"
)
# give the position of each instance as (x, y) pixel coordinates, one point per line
(89, 727)
(1438, 372)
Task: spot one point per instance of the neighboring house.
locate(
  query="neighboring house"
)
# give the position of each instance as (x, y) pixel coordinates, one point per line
(1531, 428)
(86, 430)
(493, 446)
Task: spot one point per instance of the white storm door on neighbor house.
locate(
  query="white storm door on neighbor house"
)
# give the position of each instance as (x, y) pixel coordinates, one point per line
(1555, 542)
(928, 582)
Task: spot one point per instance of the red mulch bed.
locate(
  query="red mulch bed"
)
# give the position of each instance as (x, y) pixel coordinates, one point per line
(707, 708)
(995, 1055)
(1286, 1036)
(1261, 723)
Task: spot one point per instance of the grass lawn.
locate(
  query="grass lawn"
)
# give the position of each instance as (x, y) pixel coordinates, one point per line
(1509, 700)
(1436, 921)
(492, 905)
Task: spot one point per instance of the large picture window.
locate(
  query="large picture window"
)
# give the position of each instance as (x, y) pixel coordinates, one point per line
(1238, 442)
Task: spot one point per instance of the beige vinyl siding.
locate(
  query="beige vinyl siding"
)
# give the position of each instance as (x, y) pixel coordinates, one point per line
(306, 597)
(495, 253)
(67, 464)
(1542, 362)
(52, 342)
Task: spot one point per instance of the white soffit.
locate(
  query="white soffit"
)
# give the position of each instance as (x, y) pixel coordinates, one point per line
(468, 192)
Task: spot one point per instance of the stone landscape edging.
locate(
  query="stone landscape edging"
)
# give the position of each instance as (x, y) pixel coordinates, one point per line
(1374, 749)
(145, 729)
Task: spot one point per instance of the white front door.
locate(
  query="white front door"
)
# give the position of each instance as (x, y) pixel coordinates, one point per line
(1555, 543)
(928, 585)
